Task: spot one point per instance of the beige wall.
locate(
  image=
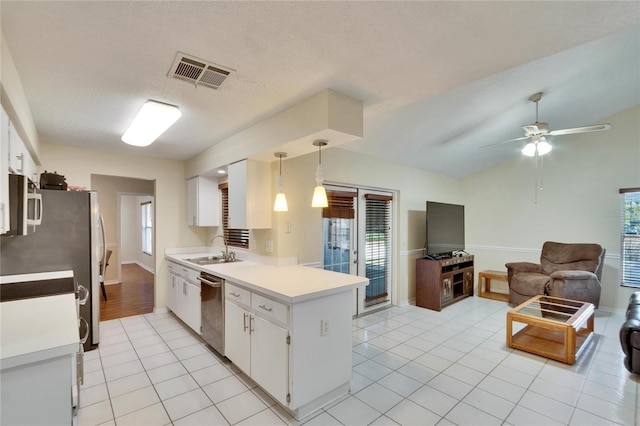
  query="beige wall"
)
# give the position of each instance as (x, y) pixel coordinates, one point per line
(130, 235)
(579, 203)
(412, 188)
(78, 164)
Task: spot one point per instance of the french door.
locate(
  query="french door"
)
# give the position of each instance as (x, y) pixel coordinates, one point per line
(357, 239)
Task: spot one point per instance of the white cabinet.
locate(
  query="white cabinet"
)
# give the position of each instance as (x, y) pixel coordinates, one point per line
(183, 296)
(203, 202)
(249, 195)
(15, 156)
(257, 346)
(4, 170)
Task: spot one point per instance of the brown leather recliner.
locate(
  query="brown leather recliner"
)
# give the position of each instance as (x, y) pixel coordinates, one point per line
(569, 271)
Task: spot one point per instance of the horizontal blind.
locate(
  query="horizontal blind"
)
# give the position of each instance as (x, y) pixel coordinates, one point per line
(341, 205)
(378, 247)
(630, 235)
(234, 237)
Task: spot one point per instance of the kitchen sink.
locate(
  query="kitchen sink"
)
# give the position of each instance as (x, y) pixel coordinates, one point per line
(210, 260)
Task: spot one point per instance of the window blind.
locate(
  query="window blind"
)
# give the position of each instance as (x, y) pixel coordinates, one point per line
(341, 205)
(630, 237)
(234, 237)
(377, 247)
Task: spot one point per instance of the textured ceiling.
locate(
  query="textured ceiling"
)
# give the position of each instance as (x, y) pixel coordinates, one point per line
(437, 79)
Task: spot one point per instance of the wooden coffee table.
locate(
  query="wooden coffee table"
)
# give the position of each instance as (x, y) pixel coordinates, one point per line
(554, 328)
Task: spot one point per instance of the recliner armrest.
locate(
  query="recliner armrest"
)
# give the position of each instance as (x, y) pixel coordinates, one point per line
(514, 267)
(573, 275)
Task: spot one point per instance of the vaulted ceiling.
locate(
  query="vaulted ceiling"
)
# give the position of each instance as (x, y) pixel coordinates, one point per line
(438, 80)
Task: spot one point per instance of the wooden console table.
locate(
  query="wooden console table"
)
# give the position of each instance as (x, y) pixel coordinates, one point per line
(485, 291)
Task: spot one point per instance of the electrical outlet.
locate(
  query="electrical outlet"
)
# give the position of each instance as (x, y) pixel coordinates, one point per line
(185, 239)
(268, 246)
(324, 327)
(288, 227)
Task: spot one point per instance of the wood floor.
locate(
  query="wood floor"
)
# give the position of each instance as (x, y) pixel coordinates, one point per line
(133, 296)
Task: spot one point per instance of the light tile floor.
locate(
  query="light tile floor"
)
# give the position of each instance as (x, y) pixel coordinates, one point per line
(411, 366)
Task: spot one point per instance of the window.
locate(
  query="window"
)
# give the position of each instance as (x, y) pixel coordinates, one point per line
(234, 237)
(630, 238)
(147, 227)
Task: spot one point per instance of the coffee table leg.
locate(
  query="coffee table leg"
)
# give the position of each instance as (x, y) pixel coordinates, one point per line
(509, 329)
(570, 345)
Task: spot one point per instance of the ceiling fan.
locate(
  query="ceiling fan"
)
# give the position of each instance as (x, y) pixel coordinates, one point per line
(538, 131)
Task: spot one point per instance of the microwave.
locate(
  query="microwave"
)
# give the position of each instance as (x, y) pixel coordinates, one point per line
(25, 206)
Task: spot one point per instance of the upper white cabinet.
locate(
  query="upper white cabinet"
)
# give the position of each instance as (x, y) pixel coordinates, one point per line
(15, 156)
(249, 195)
(203, 202)
(4, 176)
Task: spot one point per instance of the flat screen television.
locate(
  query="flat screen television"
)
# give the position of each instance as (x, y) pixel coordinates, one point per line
(445, 229)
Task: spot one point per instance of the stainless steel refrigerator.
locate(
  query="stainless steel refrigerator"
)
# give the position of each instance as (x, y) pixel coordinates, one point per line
(71, 236)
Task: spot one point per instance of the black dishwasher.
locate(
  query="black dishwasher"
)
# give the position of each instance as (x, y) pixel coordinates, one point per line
(212, 312)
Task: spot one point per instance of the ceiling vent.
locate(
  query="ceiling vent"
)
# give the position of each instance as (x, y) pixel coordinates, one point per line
(198, 71)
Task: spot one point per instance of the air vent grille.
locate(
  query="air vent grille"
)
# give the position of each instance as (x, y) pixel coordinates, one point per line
(198, 71)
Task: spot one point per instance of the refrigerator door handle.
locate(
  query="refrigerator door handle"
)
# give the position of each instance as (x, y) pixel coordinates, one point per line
(85, 324)
(103, 258)
(86, 294)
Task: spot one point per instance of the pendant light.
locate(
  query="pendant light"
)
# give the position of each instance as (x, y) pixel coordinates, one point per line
(280, 204)
(319, 193)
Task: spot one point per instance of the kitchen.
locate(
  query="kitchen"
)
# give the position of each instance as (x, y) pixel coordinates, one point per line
(79, 163)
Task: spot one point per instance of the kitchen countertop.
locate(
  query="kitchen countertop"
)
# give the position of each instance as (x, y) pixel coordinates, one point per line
(290, 284)
(37, 329)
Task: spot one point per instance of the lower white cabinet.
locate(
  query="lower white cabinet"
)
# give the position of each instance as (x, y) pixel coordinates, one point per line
(183, 297)
(259, 348)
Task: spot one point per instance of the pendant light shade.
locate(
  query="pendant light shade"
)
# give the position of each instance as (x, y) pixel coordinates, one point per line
(319, 193)
(153, 119)
(280, 204)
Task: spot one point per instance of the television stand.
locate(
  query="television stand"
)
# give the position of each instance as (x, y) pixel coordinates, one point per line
(441, 282)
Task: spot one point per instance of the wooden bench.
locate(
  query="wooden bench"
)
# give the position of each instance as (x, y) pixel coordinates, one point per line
(485, 290)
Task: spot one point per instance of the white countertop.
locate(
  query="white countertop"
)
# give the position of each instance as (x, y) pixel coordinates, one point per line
(290, 284)
(36, 329)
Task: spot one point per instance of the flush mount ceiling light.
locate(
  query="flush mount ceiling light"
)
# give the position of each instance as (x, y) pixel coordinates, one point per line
(280, 204)
(153, 119)
(319, 193)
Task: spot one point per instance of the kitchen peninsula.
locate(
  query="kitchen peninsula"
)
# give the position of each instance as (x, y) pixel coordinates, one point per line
(286, 327)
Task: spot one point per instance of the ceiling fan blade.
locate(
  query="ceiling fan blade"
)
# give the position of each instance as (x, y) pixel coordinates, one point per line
(510, 140)
(594, 128)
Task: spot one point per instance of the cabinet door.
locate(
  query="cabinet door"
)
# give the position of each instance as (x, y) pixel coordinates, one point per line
(203, 202)
(237, 343)
(171, 293)
(468, 282)
(192, 306)
(17, 152)
(270, 358)
(4, 172)
(192, 202)
(238, 195)
(447, 288)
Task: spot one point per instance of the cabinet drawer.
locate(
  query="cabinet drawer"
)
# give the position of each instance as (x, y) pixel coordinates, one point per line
(237, 294)
(270, 309)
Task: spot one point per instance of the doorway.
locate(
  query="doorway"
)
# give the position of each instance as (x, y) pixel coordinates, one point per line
(358, 239)
(127, 206)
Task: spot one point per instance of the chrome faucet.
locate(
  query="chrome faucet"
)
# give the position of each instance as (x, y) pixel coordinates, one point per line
(225, 253)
